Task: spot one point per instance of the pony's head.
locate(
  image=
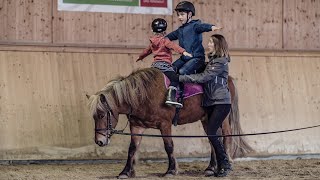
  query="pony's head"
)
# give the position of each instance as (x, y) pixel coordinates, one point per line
(105, 118)
(120, 96)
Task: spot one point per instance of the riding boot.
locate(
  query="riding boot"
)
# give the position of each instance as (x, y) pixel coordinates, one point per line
(224, 166)
(223, 169)
(171, 97)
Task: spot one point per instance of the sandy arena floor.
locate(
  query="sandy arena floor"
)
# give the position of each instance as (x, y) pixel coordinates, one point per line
(261, 169)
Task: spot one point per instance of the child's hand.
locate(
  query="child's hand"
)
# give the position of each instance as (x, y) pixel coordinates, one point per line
(187, 54)
(138, 60)
(214, 28)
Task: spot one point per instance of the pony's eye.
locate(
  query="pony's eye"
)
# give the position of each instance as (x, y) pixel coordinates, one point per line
(101, 116)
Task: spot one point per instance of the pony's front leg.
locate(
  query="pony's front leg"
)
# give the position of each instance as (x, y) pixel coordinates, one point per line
(168, 145)
(128, 171)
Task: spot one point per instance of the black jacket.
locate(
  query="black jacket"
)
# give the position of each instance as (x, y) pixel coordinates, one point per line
(215, 81)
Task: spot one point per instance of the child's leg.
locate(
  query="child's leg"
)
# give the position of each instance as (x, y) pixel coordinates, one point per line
(172, 91)
(174, 78)
(178, 64)
(192, 66)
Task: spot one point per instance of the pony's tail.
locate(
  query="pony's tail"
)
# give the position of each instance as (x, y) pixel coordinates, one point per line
(239, 147)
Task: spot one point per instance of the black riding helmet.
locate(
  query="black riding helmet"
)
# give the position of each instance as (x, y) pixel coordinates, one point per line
(185, 6)
(159, 25)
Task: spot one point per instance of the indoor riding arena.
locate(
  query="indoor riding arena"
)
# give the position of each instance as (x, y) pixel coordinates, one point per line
(54, 54)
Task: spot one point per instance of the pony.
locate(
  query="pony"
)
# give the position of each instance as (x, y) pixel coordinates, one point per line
(141, 96)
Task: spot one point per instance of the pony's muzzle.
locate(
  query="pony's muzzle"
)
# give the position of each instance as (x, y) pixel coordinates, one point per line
(100, 143)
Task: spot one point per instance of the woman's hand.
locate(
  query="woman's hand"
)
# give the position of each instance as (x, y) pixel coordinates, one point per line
(187, 54)
(138, 60)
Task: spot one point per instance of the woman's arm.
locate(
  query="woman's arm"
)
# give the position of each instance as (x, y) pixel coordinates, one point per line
(209, 73)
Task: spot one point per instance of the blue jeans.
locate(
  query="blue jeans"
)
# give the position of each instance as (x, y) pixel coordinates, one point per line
(191, 66)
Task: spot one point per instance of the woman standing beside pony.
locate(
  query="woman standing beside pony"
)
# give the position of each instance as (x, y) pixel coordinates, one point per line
(217, 99)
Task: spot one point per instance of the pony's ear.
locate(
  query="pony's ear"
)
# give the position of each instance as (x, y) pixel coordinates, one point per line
(103, 98)
(88, 96)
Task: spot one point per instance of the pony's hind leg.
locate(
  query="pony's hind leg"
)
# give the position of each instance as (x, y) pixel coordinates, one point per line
(128, 171)
(169, 147)
(227, 141)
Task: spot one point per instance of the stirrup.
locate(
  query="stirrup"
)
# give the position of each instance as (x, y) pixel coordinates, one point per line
(177, 104)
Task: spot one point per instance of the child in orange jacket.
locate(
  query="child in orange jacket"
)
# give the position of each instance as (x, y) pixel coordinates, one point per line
(161, 48)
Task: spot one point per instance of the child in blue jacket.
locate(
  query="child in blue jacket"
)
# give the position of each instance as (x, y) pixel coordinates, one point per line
(190, 38)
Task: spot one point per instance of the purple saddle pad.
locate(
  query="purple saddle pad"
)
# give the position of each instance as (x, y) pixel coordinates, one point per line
(190, 89)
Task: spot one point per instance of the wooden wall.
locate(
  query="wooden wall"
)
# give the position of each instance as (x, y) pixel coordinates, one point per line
(44, 113)
(301, 20)
(26, 21)
(248, 24)
(50, 59)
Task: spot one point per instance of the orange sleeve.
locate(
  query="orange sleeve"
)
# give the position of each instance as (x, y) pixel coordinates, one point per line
(145, 53)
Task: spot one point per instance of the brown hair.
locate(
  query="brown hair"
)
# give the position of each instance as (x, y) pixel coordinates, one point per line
(220, 45)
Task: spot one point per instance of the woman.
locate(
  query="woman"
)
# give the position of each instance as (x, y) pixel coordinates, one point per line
(217, 99)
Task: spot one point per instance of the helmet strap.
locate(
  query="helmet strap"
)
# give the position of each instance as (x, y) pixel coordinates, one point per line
(189, 17)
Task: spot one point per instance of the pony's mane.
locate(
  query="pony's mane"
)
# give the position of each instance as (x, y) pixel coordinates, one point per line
(131, 90)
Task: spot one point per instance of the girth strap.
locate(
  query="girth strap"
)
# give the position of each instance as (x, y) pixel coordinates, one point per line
(180, 100)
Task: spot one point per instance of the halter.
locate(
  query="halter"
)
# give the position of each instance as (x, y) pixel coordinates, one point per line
(109, 124)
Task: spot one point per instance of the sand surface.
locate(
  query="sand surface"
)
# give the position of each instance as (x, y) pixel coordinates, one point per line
(258, 169)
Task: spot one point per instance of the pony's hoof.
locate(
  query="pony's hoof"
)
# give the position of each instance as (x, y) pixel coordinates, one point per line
(209, 172)
(170, 173)
(123, 176)
(127, 175)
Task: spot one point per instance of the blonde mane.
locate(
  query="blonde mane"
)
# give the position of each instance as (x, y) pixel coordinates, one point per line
(132, 90)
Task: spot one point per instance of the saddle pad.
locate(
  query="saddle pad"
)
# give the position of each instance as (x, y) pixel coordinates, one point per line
(190, 89)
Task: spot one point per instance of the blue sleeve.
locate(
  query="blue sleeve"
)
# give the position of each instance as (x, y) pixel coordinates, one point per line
(173, 35)
(203, 27)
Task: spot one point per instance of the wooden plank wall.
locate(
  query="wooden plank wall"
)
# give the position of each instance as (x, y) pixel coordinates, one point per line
(248, 24)
(44, 113)
(278, 92)
(26, 21)
(301, 22)
(49, 60)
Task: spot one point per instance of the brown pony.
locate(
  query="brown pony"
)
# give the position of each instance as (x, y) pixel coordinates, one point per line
(141, 96)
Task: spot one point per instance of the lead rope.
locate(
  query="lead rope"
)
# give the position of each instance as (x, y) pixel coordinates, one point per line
(120, 132)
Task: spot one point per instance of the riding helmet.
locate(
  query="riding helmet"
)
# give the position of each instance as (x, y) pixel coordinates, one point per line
(159, 25)
(185, 6)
